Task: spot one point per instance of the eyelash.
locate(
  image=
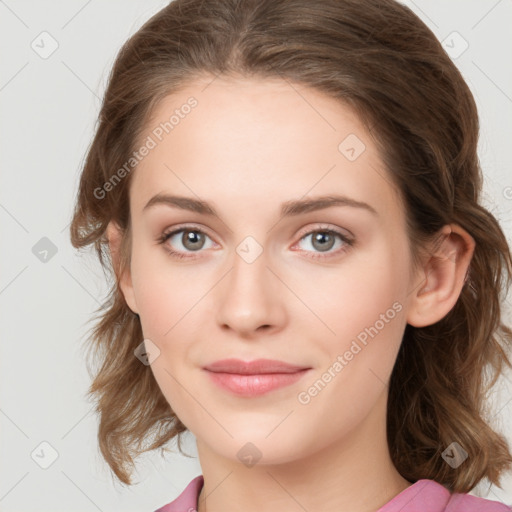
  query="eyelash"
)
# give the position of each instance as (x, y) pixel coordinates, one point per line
(179, 255)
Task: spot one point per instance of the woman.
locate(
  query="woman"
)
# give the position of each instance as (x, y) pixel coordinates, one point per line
(235, 139)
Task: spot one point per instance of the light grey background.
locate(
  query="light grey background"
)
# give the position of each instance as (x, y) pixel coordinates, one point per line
(49, 107)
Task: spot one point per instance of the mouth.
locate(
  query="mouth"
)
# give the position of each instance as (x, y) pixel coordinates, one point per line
(254, 378)
(258, 366)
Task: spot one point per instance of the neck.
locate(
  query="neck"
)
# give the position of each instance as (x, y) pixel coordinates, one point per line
(355, 473)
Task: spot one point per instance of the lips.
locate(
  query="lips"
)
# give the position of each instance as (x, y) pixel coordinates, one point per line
(254, 378)
(256, 367)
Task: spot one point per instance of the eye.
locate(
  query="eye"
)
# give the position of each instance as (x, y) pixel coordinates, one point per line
(190, 238)
(322, 240)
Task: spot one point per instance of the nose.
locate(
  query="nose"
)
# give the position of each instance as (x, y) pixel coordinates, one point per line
(250, 299)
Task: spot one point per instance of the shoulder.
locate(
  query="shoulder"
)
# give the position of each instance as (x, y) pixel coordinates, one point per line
(187, 500)
(424, 495)
(468, 503)
(430, 496)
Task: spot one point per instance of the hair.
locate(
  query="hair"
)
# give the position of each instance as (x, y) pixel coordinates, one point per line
(381, 60)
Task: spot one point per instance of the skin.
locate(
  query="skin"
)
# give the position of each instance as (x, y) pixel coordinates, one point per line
(249, 146)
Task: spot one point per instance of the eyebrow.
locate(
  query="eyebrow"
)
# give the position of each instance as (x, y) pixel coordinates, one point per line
(288, 208)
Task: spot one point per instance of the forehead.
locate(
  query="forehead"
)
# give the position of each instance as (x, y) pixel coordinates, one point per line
(264, 140)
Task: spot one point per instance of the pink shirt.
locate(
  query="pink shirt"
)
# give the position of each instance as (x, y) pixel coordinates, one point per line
(422, 496)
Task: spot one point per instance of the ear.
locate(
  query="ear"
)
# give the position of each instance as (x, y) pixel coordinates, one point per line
(115, 236)
(441, 277)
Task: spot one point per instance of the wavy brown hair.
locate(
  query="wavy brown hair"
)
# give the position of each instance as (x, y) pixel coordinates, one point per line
(380, 59)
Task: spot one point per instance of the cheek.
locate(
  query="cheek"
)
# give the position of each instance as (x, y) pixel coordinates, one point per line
(363, 306)
(164, 292)
(366, 315)
(369, 290)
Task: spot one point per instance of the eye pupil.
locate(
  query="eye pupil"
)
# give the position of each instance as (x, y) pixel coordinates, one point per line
(321, 236)
(192, 240)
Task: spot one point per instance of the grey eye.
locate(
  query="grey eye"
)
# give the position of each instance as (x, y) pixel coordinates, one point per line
(192, 240)
(323, 240)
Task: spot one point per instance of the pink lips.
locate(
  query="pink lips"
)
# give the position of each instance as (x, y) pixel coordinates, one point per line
(255, 377)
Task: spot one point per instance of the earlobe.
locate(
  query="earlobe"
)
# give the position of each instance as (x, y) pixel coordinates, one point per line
(115, 235)
(438, 285)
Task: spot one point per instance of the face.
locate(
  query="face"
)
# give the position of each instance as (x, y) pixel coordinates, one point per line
(271, 274)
